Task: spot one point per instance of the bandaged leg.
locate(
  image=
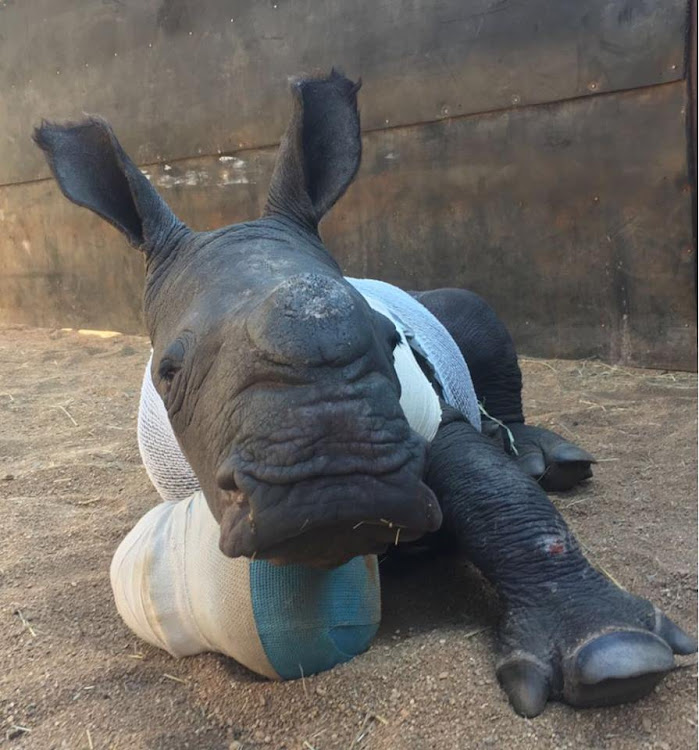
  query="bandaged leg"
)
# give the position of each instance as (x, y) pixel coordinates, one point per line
(176, 590)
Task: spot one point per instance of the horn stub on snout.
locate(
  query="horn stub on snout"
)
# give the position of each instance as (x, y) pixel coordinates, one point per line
(311, 320)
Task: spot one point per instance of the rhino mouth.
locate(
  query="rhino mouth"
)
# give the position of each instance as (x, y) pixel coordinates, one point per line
(338, 544)
(327, 521)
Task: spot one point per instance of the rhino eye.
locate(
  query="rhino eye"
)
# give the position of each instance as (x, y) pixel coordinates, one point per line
(171, 361)
(168, 370)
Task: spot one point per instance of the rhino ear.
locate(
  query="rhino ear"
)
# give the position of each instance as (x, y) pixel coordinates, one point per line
(320, 152)
(94, 171)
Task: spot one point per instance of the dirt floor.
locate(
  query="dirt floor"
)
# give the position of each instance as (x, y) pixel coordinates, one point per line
(72, 485)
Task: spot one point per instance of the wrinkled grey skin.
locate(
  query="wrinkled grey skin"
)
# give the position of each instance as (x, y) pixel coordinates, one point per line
(279, 383)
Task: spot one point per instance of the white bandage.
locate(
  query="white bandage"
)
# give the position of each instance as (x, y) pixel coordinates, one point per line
(175, 589)
(418, 400)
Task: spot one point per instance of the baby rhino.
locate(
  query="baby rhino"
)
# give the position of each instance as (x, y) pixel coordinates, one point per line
(280, 382)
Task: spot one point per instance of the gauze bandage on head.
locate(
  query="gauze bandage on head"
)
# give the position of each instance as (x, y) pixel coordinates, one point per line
(175, 589)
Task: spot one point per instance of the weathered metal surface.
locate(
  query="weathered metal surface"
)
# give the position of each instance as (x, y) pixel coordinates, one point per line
(692, 108)
(573, 219)
(180, 78)
(62, 266)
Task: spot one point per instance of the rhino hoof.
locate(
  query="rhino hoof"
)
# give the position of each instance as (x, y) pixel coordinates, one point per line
(616, 667)
(527, 684)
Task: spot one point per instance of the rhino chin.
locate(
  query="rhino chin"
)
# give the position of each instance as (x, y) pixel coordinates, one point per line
(338, 521)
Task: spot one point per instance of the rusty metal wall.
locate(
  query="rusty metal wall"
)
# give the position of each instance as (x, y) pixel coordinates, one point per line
(534, 152)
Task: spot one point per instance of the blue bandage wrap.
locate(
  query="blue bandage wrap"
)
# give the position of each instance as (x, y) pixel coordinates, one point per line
(310, 620)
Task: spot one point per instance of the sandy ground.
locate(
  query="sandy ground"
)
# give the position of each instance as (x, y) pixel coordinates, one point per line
(73, 676)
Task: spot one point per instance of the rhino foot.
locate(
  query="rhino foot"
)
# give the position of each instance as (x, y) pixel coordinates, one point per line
(591, 645)
(550, 459)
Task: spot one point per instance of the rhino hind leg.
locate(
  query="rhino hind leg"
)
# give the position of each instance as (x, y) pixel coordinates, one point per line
(556, 463)
(489, 351)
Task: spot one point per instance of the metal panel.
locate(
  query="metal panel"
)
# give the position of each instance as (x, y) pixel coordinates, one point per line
(180, 78)
(573, 219)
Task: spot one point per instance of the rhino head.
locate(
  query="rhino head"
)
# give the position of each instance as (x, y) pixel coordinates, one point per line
(277, 376)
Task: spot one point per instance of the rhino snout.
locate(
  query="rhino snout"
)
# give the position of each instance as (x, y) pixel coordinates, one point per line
(330, 480)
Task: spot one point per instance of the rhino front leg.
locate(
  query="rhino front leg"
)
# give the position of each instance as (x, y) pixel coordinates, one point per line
(567, 633)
